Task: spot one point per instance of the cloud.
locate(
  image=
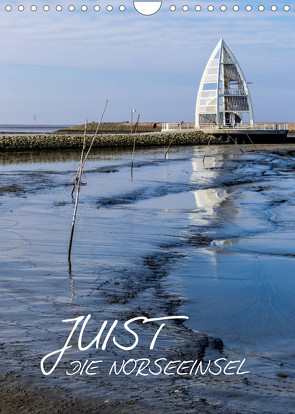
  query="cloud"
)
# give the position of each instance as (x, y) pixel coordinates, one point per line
(103, 39)
(128, 55)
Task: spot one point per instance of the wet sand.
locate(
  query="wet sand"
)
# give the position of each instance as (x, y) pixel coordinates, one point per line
(182, 238)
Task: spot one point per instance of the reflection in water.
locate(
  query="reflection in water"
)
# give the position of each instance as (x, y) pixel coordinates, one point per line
(72, 282)
(206, 199)
(238, 283)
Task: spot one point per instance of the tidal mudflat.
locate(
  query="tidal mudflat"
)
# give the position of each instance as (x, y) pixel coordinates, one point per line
(212, 240)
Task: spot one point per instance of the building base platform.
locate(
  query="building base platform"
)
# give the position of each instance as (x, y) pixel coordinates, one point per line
(244, 136)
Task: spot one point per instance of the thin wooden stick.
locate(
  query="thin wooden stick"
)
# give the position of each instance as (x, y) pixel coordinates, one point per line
(207, 148)
(133, 150)
(74, 217)
(96, 132)
(251, 141)
(166, 152)
(132, 157)
(136, 124)
(72, 283)
(78, 184)
(226, 134)
(229, 137)
(236, 144)
(81, 160)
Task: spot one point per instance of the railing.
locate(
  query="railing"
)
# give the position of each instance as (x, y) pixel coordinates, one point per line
(274, 126)
(232, 92)
(243, 107)
(259, 126)
(174, 126)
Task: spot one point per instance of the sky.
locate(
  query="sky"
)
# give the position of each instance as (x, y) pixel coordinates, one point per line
(62, 66)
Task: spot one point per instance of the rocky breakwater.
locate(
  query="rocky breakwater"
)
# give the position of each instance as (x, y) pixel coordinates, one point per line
(70, 141)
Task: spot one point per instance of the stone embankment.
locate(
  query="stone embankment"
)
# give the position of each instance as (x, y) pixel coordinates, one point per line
(70, 141)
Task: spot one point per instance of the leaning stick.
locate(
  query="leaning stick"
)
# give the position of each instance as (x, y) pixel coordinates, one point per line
(251, 141)
(169, 145)
(226, 134)
(207, 148)
(136, 124)
(96, 132)
(132, 157)
(81, 160)
(74, 217)
(230, 137)
(235, 143)
(78, 185)
(133, 150)
(170, 142)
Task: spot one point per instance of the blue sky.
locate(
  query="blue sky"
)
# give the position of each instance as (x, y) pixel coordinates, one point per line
(62, 66)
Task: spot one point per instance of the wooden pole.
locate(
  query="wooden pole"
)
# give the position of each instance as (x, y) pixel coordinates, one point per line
(132, 157)
(96, 132)
(78, 181)
(236, 144)
(133, 150)
(207, 148)
(135, 129)
(78, 185)
(166, 152)
(226, 134)
(81, 160)
(251, 141)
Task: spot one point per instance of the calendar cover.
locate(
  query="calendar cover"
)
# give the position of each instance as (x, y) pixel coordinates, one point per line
(147, 159)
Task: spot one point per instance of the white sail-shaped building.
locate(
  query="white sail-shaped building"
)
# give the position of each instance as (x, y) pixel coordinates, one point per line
(223, 98)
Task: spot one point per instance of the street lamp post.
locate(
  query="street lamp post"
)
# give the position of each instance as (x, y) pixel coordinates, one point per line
(132, 112)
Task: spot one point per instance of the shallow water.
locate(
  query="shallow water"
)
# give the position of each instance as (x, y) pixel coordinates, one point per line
(29, 129)
(213, 240)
